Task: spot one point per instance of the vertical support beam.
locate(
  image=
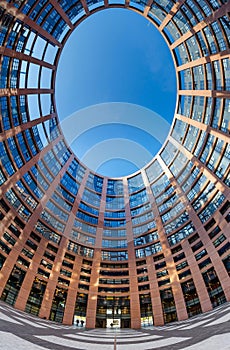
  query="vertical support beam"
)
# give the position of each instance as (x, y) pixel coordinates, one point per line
(134, 293)
(216, 260)
(94, 280)
(72, 292)
(175, 284)
(197, 278)
(154, 293)
(52, 282)
(28, 280)
(29, 277)
(73, 287)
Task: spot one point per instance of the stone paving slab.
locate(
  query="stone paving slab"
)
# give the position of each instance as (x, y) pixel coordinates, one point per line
(22, 331)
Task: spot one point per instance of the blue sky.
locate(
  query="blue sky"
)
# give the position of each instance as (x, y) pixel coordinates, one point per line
(115, 56)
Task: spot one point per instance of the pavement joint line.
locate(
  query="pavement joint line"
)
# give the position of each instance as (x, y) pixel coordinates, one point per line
(115, 342)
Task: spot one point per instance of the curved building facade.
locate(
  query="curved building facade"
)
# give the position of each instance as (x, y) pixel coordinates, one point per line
(149, 248)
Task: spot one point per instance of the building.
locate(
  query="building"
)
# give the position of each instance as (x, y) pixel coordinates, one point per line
(150, 248)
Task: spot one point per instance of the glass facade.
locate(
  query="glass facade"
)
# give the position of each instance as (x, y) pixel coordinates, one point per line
(119, 248)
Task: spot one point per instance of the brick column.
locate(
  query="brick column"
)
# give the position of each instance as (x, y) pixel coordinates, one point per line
(94, 280)
(134, 293)
(154, 293)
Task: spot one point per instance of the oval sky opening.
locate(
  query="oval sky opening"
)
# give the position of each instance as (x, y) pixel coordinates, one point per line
(115, 55)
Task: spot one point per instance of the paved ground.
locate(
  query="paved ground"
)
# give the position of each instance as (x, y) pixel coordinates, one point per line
(21, 331)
